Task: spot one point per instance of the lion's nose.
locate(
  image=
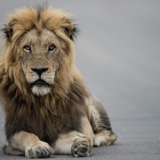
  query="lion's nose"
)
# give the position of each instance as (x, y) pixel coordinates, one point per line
(39, 71)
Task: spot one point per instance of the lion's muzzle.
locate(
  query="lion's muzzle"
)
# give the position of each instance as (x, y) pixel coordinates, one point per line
(40, 80)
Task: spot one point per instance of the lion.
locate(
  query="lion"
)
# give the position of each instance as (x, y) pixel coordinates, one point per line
(48, 109)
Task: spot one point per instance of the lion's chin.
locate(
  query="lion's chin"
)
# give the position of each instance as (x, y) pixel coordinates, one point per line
(40, 90)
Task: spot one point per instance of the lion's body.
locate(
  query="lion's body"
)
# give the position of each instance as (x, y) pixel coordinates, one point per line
(53, 106)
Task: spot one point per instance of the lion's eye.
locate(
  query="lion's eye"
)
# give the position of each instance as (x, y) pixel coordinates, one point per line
(27, 48)
(51, 47)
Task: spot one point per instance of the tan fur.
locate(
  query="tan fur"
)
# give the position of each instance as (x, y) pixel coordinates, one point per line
(26, 142)
(60, 114)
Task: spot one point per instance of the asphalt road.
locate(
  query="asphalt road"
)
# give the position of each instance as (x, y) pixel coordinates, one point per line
(118, 53)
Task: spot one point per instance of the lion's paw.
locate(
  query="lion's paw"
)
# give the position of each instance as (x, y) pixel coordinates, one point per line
(81, 146)
(39, 150)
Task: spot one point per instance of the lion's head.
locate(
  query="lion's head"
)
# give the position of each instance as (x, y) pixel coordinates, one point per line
(38, 51)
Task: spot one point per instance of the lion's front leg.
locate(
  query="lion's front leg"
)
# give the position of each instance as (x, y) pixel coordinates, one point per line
(78, 144)
(24, 143)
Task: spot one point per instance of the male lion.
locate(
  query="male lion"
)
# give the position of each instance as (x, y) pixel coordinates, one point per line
(47, 106)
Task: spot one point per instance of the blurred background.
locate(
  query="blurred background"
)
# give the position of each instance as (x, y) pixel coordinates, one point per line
(118, 53)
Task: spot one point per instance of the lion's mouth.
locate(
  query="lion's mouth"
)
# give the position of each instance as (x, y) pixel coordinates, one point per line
(40, 82)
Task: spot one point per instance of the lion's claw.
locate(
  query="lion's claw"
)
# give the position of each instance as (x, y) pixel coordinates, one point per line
(41, 150)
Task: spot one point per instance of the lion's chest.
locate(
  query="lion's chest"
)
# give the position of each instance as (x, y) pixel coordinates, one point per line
(47, 125)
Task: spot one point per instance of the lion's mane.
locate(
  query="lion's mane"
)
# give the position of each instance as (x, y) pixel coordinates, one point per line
(49, 115)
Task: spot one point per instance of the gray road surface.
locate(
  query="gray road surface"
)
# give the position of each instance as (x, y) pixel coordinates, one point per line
(118, 53)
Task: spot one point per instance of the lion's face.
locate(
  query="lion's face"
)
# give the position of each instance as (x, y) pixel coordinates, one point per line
(39, 58)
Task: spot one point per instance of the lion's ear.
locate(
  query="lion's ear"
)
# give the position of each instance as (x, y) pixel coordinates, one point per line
(71, 30)
(8, 29)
